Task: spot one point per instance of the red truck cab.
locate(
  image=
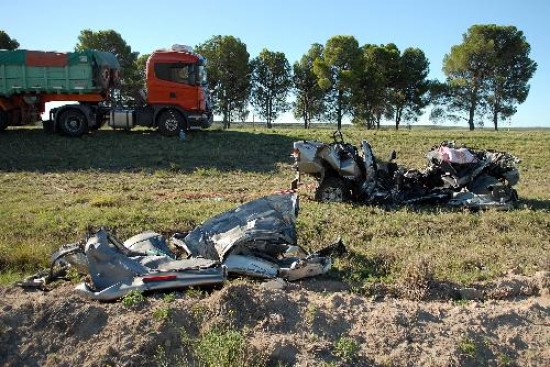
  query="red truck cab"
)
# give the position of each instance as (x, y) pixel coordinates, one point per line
(177, 77)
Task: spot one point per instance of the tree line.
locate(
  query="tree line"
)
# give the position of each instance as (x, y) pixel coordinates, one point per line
(486, 78)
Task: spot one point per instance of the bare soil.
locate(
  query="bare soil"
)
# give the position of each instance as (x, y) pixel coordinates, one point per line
(314, 322)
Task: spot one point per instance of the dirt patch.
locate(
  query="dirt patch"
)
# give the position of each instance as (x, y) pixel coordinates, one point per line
(309, 323)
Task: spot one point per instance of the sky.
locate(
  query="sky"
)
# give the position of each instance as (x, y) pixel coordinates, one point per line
(291, 27)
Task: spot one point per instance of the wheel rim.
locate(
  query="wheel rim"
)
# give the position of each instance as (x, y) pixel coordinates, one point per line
(335, 194)
(171, 123)
(73, 123)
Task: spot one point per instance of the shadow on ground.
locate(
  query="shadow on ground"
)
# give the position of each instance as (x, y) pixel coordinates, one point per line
(534, 204)
(114, 151)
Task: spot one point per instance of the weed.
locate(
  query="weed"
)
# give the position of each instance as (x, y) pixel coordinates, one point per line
(199, 313)
(359, 267)
(417, 278)
(467, 347)
(419, 273)
(311, 313)
(462, 302)
(10, 277)
(162, 314)
(386, 361)
(220, 348)
(133, 299)
(160, 357)
(504, 360)
(104, 201)
(207, 172)
(194, 293)
(169, 297)
(185, 338)
(346, 348)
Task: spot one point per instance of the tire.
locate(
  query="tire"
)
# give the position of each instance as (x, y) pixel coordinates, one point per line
(333, 189)
(170, 122)
(3, 120)
(73, 123)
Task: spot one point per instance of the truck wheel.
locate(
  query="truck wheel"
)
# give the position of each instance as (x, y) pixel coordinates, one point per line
(333, 189)
(3, 120)
(73, 123)
(170, 122)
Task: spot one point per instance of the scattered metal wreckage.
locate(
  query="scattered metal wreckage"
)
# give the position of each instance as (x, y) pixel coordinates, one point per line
(455, 176)
(257, 239)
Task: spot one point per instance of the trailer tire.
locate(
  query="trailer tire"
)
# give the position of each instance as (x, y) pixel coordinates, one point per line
(73, 123)
(170, 122)
(3, 120)
(333, 189)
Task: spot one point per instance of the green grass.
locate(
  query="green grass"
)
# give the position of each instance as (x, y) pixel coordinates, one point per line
(346, 348)
(53, 188)
(133, 299)
(215, 347)
(467, 347)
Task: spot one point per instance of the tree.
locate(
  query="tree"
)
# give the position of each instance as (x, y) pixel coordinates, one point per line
(334, 70)
(488, 72)
(372, 81)
(310, 97)
(228, 75)
(467, 68)
(271, 82)
(511, 70)
(7, 43)
(409, 86)
(135, 82)
(111, 41)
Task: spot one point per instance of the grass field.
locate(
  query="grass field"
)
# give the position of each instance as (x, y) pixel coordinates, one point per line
(53, 188)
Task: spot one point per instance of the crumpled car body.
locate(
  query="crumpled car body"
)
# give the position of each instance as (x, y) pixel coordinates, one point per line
(257, 239)
(142, 263)
(455, 176)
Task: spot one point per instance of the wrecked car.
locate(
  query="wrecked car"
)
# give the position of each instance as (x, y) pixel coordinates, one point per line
(455, 176)
(257, 239)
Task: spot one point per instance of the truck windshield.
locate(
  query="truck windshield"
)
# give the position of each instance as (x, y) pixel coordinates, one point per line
(176, 72)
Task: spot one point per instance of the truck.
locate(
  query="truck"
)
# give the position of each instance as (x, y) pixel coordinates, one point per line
(175, 99)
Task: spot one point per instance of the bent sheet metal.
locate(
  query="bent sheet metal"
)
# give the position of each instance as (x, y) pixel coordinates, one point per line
(257, 239)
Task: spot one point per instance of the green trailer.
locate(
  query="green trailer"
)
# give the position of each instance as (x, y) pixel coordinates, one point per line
(38, 72)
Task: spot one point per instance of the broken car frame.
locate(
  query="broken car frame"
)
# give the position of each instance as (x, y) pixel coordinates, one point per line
(455, 176)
